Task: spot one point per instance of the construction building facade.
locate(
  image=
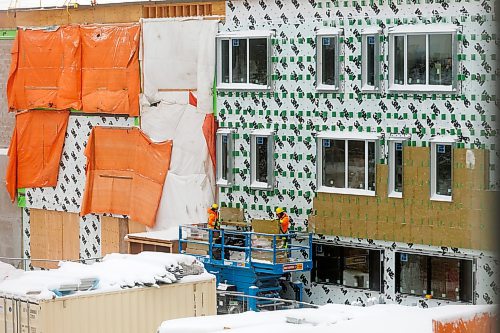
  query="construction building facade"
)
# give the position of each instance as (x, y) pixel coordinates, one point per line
(374, 127)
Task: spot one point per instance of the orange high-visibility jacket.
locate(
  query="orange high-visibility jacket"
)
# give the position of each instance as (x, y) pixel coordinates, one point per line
(284, 223)
(212, 219)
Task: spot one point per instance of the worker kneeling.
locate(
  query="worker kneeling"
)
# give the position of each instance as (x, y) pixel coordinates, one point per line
(284, 224)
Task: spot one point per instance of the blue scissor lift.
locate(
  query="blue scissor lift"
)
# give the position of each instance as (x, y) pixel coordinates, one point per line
(257, 270)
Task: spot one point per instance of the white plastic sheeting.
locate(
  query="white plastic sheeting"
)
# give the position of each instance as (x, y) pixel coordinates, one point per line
(179, 54)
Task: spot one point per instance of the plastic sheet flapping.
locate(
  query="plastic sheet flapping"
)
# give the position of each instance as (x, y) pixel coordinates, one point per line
(91, 68)
(125, 173)
(189, 187)
(35, 149)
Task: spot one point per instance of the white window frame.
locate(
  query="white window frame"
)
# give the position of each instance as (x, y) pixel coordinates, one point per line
(392, 141)
(327, 32)
(430, 29)
(366, 137)
(375, 32)
(254, 184)
(447, 141)
(253, 34)
(230, 147)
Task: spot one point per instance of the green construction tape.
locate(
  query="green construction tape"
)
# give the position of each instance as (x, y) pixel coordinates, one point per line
(21, 197)
(7, 34)
(214, 96)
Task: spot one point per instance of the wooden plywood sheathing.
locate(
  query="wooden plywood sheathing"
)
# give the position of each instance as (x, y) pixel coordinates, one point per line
(113, 232)
(54, 236)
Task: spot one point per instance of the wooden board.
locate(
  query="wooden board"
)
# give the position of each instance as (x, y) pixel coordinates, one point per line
(232, 216)
(113, 232)
(54, 236)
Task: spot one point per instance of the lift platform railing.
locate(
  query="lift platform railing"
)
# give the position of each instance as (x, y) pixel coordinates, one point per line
(258, 247)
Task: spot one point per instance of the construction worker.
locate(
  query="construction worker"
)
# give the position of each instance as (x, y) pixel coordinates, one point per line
(213, 217)
(284, 223)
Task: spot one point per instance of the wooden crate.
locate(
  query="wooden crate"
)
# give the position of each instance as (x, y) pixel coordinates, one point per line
(138, 243)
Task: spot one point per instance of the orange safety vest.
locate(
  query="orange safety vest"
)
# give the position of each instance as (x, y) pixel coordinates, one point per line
(213, 216)
(284, 223)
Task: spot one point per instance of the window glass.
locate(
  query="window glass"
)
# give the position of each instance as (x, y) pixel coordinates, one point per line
(356, 163)
(440, 59)
(261, 159)
(225, 61)
(258, 61)
(327, 264)
(399, 59)
(333, 163)
(328, 60)
(412, 274)
(466, 280)
(370, 60)
(356, 268)
(416, 59)
(443, 169)
(371, 166)
(224, 157)
(445, 278)
(398, 167)
(239, 60)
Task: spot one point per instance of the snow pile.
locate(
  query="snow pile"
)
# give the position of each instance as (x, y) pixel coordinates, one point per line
(338, 318)
(7, 271)
(116, 271)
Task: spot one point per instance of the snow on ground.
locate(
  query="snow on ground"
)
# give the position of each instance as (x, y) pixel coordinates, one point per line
(338, 318)
(7, 271)
(115, 272)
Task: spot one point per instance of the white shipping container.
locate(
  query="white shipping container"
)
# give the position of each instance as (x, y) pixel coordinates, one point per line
(136, 310)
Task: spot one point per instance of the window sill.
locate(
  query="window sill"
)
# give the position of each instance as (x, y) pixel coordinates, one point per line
(223, 183)
(260, 186)
(438, 197)
(327, 88)
(370, 89)
(352, 191)
(243, 86)
(437, 299)
(398, 195)
(420, 88)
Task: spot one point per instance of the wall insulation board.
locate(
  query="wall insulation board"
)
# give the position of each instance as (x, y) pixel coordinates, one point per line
(295, 111)
(130, 310)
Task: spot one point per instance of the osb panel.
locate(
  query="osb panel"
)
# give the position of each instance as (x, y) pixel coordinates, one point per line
(98, 14)
(135, 227)
(104, 14)
(466, 222)
(113, 232)
(54, 236)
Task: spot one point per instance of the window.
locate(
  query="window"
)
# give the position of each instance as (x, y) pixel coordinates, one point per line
(262, 161)
(243, 60)
(347, 266)
(443, 278)
(225, 161)
(441, 168)
(396, 146)
(422, 58)
(370, 59)
(327, 59)
(346, 165)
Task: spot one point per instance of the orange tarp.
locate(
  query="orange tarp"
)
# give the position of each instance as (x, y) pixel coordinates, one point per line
(45, 69)
(110, 69)
(35, 149)
(209, 131)
(481, 323)
(125, 173)
(90, 68)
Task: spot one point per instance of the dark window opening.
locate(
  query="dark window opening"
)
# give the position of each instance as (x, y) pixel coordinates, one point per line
(347, 266)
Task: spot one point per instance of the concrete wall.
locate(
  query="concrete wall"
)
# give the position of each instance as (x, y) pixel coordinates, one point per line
(10, 219)
(6, 119)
